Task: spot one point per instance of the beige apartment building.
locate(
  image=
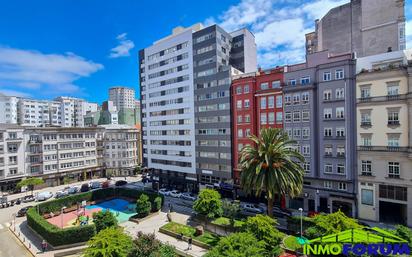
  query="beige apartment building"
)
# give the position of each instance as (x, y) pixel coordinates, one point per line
(384, 122)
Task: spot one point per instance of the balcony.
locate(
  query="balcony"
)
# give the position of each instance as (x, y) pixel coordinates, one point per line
(366, 174)
(35, 141)
(386, 98)
(396, 176)
(366, 124)
(393, 123)
(14, 139)
(384, 148)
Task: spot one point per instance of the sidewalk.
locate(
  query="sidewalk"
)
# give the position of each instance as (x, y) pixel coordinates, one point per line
(152, 225)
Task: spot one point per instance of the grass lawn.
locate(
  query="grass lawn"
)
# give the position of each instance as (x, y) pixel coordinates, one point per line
(207, 237)
(223, 221)
(291, 243)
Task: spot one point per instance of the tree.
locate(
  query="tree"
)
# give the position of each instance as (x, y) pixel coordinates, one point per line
(30, 183)
(103, 220)
(143, 206)
(110, 242)
(271, 165)
(231, 210)
(146, 245)
(263, 228)
(157, 203)
(239, 245)
(404, 233)
(167, 250)
(208, 203)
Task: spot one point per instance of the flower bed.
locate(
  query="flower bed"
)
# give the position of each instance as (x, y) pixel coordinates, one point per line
(207, 239)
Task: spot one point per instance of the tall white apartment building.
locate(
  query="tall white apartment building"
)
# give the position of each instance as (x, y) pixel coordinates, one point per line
(122, 97)
(8, 105)
(73, 110)
(38, 113)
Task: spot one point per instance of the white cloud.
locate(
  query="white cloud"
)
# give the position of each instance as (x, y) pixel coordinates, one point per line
(276, 24)
(14, 93)
(123, 48)
(54, 74)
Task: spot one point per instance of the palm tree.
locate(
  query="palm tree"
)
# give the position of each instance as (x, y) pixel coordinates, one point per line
(271, 165)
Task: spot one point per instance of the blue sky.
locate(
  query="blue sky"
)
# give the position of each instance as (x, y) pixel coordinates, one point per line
(81, 48)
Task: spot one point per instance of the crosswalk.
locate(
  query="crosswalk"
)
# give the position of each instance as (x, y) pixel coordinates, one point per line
(5, 225)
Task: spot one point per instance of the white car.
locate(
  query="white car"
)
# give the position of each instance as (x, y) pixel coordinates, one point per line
(164, 191)
(175, 193)
(250, 207)
(60, 194)
(73, 190)
(188, 196)
(43, 196)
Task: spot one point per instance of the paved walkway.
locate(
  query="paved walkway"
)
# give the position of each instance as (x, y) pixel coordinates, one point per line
(153, 224)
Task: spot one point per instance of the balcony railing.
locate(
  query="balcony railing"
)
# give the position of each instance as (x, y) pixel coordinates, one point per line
(366, 123)
(366, 174)
(382, 98)
(393, 123)
(384, 148)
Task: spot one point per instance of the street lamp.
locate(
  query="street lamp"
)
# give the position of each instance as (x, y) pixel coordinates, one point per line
(301, 222)
(64, 207)
(14, 221)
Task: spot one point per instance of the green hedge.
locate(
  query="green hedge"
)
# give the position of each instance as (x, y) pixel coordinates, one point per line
(57, 236)
(294, 223)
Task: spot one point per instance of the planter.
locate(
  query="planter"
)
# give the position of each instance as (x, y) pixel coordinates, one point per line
(138, 220)
(184, 238)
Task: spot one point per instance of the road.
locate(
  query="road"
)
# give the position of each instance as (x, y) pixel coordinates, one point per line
(10, 246)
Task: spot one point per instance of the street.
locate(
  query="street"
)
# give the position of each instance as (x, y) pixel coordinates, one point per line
(10, 246)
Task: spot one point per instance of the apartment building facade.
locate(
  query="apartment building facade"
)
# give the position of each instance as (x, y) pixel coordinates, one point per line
(39, 113)
(363, 27)
(319, 110)
(383, 90)
(8, 105)
(257, 102)
(73, 110)
(194, 67)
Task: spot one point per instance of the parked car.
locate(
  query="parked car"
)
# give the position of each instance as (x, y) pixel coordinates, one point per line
(22, 212)
(120, 183)
(43, 196)
(175, 193)
(280, 213)
(73, 190)
(164, 191)
(188, 196)
(60, 194)
(250, 207)
(84, 188)
(28, 198)
(95, 185)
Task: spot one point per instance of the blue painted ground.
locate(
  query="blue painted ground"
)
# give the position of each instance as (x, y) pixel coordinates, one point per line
(122, 209)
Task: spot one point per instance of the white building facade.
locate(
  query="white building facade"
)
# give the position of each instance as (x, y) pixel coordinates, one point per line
(122, 97)
(8, 105)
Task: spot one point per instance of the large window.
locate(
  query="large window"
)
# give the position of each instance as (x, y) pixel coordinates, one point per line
(367, 196)
(296, 116)
(328, 168)
(393, 192)
(279, 101)
(394, 169)
(305, 80)
(263, 119)
(342, 186)
(327, 76)
(340, 112)
(279, 117)
(393, 117)
(365, 92)
(366, 168)
(263, 103)
(327, 113)
(271, 117)
(339, 74)
(271, 101)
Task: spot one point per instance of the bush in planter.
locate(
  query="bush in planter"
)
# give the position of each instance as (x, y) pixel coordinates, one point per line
(143, 206)
(103, 220)
(157, 204)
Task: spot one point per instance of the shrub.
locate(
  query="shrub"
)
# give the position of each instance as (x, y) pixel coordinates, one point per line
(209, 203)
(109, 242)
(239, 245)
(103, 220)
(157, 204)
(55, 235)
(143, 206)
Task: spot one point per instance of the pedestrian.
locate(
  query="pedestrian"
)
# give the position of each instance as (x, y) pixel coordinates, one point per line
(189, 243)
(44, 245)
(181, 236)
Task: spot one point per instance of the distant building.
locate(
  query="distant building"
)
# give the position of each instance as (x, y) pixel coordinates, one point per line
(123, 97)
(39, 113)
(365, 27)
(9, 106)
(73, 110)
(108, 114)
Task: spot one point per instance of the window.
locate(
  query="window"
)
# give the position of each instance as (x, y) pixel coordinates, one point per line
(305, 80)
(276, 84)
(271, 117)
(340, 112)
(289, 132)
(328, 150)
(305, 133)
(393, 169)
(239, 104)
(393, 117)
(279, 117)
(342, 186)
(339, 74)
(340, 93)
(366, 140)
(365, 118)
(393, 89)
(327, 132)
(367, 196)
(327, 76)
(246, 89)
(279, 103)
(341, 169)
(328, 168)
(305, 116)
(263, 118)
(296, 133)
(271, 101)
(247, 103)
(305, 97)
(393, 192)
(340, 132)
(327, 113)
(327, 94)
(239, 119)
(247, 132)
(296, 116)
(306, 167)
(365, 92)
(292, 82)
(247, 118)
(288, 117)
(393, 140)
(240, 133)
(263, 103)
(306, 150)
(366, 168)
(327, 184)
(340, 151)
(287, 99)
(296, 98)
(239, 90)
(264, 86)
